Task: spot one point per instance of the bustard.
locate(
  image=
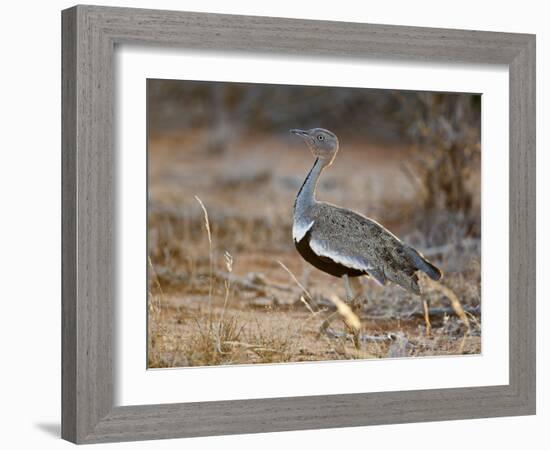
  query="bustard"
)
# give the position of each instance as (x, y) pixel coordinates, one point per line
(347, 244)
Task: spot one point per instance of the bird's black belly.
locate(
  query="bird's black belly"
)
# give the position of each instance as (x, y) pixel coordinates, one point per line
(323, 263)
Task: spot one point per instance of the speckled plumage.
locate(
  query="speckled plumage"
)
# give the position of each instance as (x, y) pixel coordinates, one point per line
(365, 247)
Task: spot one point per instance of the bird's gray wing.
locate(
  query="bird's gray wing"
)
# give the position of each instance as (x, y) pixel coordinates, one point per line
(359, 242)
(348, 239)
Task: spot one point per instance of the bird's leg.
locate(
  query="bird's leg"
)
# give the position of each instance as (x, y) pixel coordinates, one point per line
(349, 291)
(351, 300)
(354, 303)
(359, 300)
(426, 306)
(324, 329)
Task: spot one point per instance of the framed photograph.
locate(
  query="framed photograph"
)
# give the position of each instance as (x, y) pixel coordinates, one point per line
(278, 224)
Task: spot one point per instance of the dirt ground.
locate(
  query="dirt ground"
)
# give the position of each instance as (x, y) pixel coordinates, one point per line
(238, 292)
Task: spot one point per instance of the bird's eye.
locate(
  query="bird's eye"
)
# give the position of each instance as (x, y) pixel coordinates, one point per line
(320, 137)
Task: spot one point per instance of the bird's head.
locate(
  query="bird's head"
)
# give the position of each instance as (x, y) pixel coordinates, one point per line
(322, 143)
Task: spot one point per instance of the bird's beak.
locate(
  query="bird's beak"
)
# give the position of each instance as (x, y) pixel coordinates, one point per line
(301, 133)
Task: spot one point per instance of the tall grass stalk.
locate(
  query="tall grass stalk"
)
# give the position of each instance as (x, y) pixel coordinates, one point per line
(210, 253)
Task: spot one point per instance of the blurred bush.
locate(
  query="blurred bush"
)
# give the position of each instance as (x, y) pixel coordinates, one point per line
(260, 108)
(445, 131)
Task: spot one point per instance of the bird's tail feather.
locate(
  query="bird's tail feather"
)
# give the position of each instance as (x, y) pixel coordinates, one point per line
(424, 265)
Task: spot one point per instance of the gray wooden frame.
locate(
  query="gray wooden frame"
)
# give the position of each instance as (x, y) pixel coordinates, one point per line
(90, 34)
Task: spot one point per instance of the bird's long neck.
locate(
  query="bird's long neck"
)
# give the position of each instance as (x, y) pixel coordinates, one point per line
(306, 194)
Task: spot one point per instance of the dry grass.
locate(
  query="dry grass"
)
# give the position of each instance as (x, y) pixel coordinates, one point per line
(226, 285)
